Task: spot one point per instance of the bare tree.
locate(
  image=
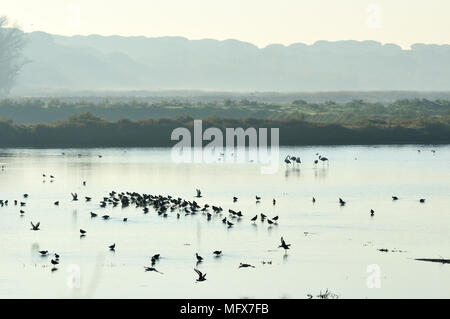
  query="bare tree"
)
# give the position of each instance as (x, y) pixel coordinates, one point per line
(11, 60)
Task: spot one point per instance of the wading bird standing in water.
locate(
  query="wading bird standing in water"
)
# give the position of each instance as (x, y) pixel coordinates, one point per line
(199, 258)
(323, 159)
(287, 160)
(199, 193)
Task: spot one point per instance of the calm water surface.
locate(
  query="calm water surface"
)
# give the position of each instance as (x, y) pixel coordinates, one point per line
(332, 246)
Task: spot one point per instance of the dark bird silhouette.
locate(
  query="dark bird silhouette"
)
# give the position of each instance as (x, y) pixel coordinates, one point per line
(284, 245)
(56, 203)
(125, 219)
(74, 196)
(88, 199)
(254, 218)
(422, 200)
(313, 200)
(372, 212)
(274, 201)
(105, 217)
(25, 195)
(270, 222)
(241, 265)
(54, 262)
(201, 277)
(230, 224)
(112, 247)
(235, 199)
(56, 256)
(199, 258)
(287, 160)
(84, 183)
(152, 269)
(258, 198)
(263, 217)
(35, 227)
(83, 232)
(394, 198)
(93, 214)
(341, 201)
(323, 159)
(22, 212)
(199, 193)
(217, 253)
(43, 252)
(275, 218)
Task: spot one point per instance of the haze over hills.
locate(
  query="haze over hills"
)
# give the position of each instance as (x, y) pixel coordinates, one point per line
(139, 63)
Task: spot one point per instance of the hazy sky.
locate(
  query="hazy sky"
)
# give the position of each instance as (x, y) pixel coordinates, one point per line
(260, 22)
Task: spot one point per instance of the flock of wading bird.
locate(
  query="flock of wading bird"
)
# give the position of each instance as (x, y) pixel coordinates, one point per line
(163, 205)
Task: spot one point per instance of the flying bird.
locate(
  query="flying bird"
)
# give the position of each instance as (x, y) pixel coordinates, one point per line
(35, 227)
(201, 277)
(284, 245)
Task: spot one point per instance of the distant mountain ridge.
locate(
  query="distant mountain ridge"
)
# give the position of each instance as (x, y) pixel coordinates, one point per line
(115, 62)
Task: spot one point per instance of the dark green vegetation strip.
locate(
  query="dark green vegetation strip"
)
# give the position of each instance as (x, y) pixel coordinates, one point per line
(87, 130)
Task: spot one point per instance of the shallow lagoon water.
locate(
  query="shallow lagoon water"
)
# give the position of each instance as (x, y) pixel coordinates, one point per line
(332, 246)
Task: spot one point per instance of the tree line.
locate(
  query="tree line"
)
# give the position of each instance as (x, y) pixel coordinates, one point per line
(30, 110)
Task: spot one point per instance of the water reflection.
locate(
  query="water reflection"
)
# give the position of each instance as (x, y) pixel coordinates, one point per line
(369, 182)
